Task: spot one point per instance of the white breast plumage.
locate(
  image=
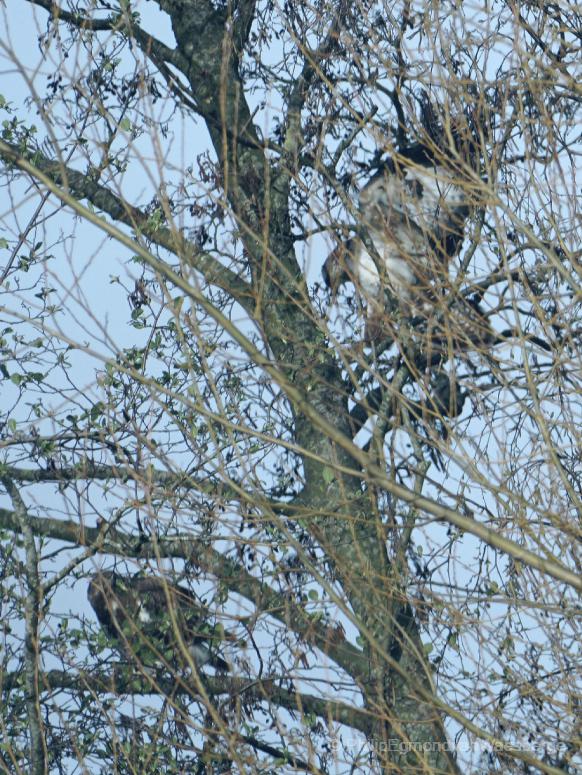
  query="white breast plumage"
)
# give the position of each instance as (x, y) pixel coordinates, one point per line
(413, 212)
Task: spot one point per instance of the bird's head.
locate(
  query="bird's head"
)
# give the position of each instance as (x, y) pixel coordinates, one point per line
(338, 267)
(100, 583)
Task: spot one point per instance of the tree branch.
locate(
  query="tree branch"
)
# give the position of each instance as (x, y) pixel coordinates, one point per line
(88, 470)
(109, 540)
(32, 603)
(319, 423)
(117, 681)
(113, 23)
(81, 186)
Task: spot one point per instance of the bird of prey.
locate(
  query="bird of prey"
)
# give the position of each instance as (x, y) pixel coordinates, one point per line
(155, 622)
(412, 212)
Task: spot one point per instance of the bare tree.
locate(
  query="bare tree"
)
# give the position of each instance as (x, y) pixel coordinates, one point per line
(362, 507)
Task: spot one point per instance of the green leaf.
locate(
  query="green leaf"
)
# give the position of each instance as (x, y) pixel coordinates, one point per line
(125, 125)
(328, 475)
(313, 594)
(97, 410)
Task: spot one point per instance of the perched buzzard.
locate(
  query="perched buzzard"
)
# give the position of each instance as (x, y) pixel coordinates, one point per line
(155, 622)
(413, 211)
